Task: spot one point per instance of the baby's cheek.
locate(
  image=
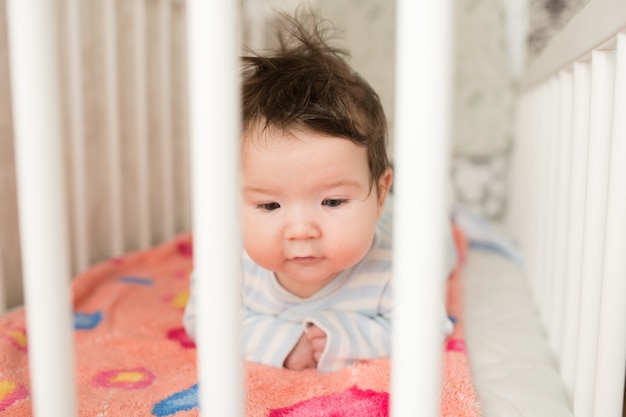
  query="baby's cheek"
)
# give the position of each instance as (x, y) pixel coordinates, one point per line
(258, 243)
(263, 255)
(350, 251)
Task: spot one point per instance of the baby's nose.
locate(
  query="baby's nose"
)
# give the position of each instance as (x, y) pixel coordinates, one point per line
(302, 226)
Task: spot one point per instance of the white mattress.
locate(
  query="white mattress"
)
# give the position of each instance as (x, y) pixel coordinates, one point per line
(513, 369)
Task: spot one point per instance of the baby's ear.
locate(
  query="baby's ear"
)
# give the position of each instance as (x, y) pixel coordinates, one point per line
(384, 185)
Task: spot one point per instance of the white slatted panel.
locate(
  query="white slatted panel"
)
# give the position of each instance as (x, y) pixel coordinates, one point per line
(612, 346)
(106, 115)
(601, 107)
(580, 240)
(578, 183)
(39, 160)
(214, 112)
(113, 126)
(421, 149)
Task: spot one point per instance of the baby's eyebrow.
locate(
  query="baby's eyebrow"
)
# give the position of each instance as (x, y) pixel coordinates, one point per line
(254, 189)
(344, 183)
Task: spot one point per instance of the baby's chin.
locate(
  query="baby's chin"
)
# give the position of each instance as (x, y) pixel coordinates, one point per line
(305, 285)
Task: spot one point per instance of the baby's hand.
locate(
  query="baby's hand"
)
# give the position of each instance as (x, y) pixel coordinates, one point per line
(317, 338)
(301, 356)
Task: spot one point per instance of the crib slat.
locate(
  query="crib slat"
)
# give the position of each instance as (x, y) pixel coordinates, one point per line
(181, 137)
(602, 81)
(113, 127)
(552, 167)
(550, 105)
(530, 123)
(518, 202)
(3, 295)
(423, 30)
(141, 126)
(612, 337)
(43, 218)
(214, 112)
(561, 216)
(536, 138)
(81, 247)
(578, 175)
(165, 118)
(539, 138)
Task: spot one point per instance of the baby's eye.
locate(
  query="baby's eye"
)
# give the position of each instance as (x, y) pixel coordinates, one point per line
(333, 202)
(268, 206)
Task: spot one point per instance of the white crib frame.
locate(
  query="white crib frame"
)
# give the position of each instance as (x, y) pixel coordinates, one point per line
(586, 243)
(212, 30)
(568, 213)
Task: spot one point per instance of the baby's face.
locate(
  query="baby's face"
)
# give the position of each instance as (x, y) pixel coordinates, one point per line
(307, 208)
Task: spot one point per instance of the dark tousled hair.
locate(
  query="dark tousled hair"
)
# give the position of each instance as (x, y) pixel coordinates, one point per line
(306, 83)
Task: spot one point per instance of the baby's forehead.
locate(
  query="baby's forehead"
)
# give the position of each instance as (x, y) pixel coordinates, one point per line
(262, 132)
(269, 136)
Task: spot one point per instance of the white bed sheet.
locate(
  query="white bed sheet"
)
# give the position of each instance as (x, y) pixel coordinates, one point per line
(513, 368)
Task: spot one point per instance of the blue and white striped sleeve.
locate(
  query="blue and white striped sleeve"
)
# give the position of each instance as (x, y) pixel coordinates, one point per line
(266, 338)
(269, 339)
(352, 336)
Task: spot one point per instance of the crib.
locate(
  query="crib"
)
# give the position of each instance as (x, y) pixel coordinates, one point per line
(543, 311)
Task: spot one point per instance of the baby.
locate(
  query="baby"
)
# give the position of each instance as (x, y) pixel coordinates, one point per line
(316, 231)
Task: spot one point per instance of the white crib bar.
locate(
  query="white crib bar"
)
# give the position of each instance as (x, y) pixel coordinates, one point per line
(423, 79)
(77, 137)
(113, 127)
(141, 124)
(165, 117)
(215, 142)
(185, 135)
(3, 295)
(612, 337)
(578, 184)
(601, 107)
(562, 211)
(551, 168)
(41, 196)
(549, 107)
(536, 114)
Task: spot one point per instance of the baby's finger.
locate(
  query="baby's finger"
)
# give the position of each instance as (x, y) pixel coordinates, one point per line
(314, 332)
(318, 344)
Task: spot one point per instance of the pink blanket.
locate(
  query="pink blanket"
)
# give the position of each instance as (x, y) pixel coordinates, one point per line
(134, 359)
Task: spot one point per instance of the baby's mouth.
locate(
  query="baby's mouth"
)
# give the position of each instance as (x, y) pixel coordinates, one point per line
(304, 259)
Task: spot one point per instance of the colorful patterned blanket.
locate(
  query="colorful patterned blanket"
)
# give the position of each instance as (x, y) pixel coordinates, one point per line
(133, 357)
